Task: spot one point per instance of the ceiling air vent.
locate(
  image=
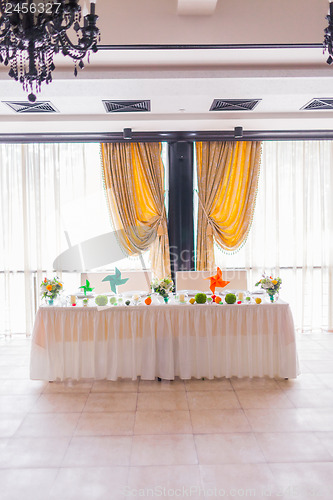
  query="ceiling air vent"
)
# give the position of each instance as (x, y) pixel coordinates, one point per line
(31, 107)
(126, 106)
(234, 104)
(319, 104)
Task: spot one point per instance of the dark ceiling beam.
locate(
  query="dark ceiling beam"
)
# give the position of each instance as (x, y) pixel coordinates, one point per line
(212, 46)
(207, 135)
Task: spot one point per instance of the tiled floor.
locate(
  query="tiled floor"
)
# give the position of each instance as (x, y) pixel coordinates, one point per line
(237, 438)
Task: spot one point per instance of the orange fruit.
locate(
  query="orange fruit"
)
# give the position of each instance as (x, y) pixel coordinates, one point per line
(217, 299)
(148, 301)
(192, 300)
(258, 300)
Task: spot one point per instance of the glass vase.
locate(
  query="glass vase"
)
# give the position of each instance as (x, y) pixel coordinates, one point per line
(50, 302)
(273, 297)
(166, 299)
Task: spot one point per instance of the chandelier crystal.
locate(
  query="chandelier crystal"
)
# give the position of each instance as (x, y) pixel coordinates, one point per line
(31, 32)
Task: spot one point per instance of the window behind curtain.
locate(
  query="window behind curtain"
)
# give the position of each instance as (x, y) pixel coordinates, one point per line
(51, 197)
(290, 234)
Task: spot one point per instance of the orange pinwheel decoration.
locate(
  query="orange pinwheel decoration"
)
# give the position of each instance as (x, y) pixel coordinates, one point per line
(217, 281)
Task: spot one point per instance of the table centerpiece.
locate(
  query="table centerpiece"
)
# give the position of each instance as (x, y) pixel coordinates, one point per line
(271, 286)
(163, 287)
(50, 289)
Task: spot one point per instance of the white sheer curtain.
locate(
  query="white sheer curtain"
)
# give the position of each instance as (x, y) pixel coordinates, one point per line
(51, 195)
(292, 231)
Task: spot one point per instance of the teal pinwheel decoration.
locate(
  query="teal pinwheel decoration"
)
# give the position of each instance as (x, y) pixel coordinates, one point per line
(115, 280)
(86, 287)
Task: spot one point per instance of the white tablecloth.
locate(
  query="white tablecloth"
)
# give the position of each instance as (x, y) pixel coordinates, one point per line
(164, 341)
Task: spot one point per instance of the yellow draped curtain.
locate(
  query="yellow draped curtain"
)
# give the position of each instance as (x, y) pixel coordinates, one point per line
(227, 183)
(134, 183)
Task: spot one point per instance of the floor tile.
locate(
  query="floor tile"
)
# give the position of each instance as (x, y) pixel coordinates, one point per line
(319, 366)
(217, 384)
(246, 480)
(263, 399)
(33, 452)
(303, 480)
(162, 401)
(277, 420)
(115, 386)
(9, 423)
(17, 403)
(304, 366)
(318, 419)
(309, 345)
(303, 381)
(292, 447)
(27, 484)
(326, 379)
(161, 386)
(98, 451)
(312, 398)
(98, 402)
(15, 372)
(14, 360)
(163, 450)
(326, 438)
(71, 386)
(21, 387)
(163, 422)
(98, 440)
(254, 383)
(219, 421)
(48, 425)
(325, 341)
(213, 400)
(316, 355)
(90, 483)
(105, 424)
(168, 481)
(60, 403)
(229, 448)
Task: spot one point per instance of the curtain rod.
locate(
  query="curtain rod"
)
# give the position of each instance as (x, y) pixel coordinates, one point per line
(171, 136)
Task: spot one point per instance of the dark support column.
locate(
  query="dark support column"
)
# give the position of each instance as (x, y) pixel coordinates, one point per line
(180, 224)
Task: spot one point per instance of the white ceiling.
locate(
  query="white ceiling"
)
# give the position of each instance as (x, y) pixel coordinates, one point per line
(196, 7)
(182, 83)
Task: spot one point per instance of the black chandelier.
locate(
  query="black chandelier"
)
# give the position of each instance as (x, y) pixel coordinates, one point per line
(328, 39)
(31, 32)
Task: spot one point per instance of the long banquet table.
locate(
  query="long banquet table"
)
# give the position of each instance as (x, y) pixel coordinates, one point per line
(164, 341)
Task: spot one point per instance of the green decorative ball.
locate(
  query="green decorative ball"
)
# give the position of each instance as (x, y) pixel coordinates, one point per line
(230, 298)
(127, 302)
(101, 300)
(200, 298)
(113, 300)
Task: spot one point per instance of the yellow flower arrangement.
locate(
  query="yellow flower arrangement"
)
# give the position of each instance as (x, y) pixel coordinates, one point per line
(50, 288)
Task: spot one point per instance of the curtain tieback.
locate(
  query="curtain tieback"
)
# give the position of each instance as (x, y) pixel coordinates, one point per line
(162, 229)
(210, 231)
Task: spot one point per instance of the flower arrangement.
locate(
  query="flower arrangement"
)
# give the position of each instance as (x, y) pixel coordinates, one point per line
(270, 285)
(50, 289)
(163, 287)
